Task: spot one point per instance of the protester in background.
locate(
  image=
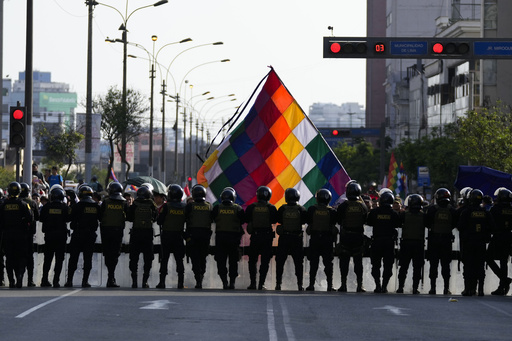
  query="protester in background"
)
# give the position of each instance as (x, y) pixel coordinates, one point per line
(55, 178)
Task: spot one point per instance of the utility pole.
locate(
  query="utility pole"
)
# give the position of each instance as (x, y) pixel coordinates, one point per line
(29, 87)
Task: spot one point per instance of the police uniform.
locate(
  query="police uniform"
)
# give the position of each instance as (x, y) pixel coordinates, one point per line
(15, 220)
(384, 221)
(290, 219)
(30, 240)
(475, 226)
(412, 247)
(172, 222)
(54, 216)
(321, 220)
(112, 224)
(441, 220)
(352, 215)
(84, 223)
(142, 213)
(198, 233)
(228, 218)
(260, 217)
(499, 246)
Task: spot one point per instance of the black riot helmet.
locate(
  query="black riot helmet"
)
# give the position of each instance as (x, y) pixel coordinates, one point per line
(263, 194)
(414, 202)
(57, 195)
(504, 195)
(323, 196)
(199, 193)
(291, 196)
(386, 199)
(85, 191)
(143, 193)
(175, 193)
(25, 190)
(14, 189)
(353, 191)
(443, 196)
(115, 191)
(475, 197)
(228, 195)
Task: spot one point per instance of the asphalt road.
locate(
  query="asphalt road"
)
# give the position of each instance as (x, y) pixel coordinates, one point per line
(190, 314)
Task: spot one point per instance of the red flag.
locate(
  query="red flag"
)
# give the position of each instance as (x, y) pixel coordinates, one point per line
(186, 190)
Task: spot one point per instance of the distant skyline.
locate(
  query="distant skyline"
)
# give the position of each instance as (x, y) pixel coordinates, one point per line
(285, 34)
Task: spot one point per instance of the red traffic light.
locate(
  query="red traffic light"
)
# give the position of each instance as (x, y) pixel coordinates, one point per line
(18, 114)
(189, 178)
(335, 47)
(335, 132)
(438, 48)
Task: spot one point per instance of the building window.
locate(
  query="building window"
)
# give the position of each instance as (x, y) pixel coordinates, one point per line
(490, 15)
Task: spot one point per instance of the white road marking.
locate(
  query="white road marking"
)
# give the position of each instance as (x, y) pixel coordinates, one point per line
(271, 323)
(31, 310)
(286, 320)
(497, 309)
(158, 304)
(394, 310)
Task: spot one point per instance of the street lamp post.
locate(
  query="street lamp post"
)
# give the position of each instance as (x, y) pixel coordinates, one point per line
(154, 38)
(124, 38)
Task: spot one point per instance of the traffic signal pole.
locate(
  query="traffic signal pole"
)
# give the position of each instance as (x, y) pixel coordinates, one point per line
(27, 156)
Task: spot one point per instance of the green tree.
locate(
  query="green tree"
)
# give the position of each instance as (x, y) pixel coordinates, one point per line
(6, 177)
(484, 137)
(115, 121)
(60, 144)
(361, 161)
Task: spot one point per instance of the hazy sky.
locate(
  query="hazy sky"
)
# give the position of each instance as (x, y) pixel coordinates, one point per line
(283, 33)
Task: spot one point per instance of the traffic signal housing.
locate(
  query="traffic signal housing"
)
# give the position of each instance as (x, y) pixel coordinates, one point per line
(17, 127)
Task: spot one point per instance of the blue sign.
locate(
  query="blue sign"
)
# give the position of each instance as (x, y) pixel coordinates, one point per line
(493, 48)
(409, 47)
(423, 176)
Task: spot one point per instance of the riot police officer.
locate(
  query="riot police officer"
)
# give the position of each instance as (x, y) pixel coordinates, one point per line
(260, 216)
(321, 219)
(198, 232)
(142, 213)
(34, 208)
(172, 226)
(54, 216)
(15, 220)
(352, 215)
(499, 246)
(412, 242)
(113, 212)
(384, 221)
(84, 223)
(228, 217)
(290, 217)
(475, 225)
(441, 219)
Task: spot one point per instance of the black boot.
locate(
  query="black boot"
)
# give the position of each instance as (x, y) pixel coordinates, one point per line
(145, 277)
(400, 286)
(311, 286)
(432, 290)
(30, 278)
(181, 281)
(252, 286)
(232, 283)
(481, 287)
(199, 281)
(225, 284)
(111, 282)
(161, 284)
(45, 283)
(69, 281)
(261, 284)
(385, 282)
(85, 279)
(343, 287)
(360, 287)
(134, 280)
(415, 284)
(299, 284)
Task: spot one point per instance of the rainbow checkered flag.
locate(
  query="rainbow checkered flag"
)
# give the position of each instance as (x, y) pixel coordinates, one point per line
(392, 173)
(275, 145)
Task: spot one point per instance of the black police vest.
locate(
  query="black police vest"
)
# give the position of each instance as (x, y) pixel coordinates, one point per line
(13, 213)
(261, 216)
(199, 215)
(143, 214)
(353, 220)
(87, 216)
(292, 219)
(227, 219)
(174, 218)
(414, 226)
(443, 220)
(114, 214)
(321, 219)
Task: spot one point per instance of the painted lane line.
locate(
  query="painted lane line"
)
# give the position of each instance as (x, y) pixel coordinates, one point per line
(495, 308)
(271, 323)
(31, 310)
(286, 320)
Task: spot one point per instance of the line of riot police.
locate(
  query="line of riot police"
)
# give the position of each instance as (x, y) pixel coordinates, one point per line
(186, 230)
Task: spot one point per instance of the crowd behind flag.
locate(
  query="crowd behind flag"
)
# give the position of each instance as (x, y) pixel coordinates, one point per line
(276, 145)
